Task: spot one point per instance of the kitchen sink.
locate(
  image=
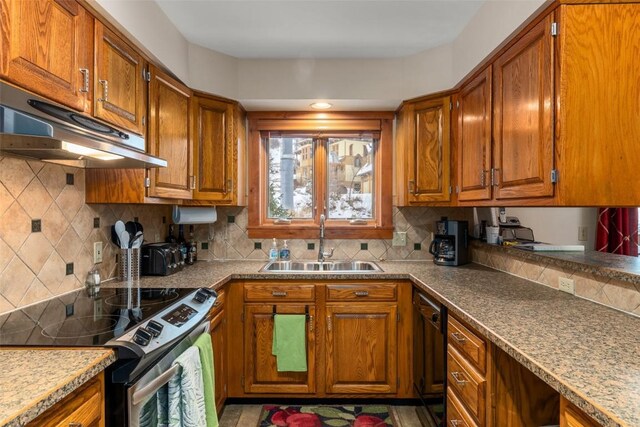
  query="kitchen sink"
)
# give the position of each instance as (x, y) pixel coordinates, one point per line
(317, 267)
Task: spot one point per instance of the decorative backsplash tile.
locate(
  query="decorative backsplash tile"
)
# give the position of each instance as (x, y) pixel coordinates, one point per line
(611, 292)
(33, 264)
(228, 237)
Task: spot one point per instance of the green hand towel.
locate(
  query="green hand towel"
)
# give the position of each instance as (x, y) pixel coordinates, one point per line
(290, 342)
(203, 343)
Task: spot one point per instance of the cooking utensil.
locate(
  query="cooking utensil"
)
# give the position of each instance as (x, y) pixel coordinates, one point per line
(124, 239)
(137, 240)
(120, 228)
(130, 226)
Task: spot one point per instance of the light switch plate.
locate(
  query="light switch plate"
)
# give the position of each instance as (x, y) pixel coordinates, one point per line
(399, 238)
(97, 252)
(567, 285)
(583, 233)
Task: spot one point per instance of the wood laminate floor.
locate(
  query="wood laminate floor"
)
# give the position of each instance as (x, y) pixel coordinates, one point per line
(248, 415)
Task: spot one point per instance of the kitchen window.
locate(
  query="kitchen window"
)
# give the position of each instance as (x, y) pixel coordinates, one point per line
(306, 164)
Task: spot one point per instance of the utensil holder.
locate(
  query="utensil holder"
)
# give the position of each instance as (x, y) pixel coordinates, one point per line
(129, 266)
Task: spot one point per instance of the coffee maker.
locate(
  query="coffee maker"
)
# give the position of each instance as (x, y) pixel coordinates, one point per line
(450, 245)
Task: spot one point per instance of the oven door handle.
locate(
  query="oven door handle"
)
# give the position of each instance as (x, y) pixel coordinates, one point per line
(141, 395)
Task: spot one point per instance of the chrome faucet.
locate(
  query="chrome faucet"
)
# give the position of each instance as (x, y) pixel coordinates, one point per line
(321, 253)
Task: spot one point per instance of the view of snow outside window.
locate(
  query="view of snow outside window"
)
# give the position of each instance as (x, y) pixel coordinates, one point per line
(349, 173)
(350, 178)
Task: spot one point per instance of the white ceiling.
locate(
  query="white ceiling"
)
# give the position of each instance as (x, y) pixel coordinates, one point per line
(320, 28)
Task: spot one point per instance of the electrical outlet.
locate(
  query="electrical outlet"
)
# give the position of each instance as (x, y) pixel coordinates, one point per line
(583, 234)
(399, 238)
(567, 285)
(97, 252)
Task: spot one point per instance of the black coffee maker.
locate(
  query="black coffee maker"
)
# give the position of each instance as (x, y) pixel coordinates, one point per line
(450, 245)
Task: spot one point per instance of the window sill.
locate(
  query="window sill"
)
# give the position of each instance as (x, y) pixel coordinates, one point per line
(313, 232)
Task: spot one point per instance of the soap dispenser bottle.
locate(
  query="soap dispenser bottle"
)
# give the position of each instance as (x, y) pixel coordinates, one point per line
(285, 253)
(273, 252)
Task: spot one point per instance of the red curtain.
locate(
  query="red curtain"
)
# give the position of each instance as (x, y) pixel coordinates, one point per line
(618, 231)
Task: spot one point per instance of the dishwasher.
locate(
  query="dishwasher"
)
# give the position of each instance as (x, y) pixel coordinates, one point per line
(429, 358)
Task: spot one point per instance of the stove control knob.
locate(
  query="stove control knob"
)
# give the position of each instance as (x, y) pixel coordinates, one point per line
(201, 296)
(142, 337)
(154, 327)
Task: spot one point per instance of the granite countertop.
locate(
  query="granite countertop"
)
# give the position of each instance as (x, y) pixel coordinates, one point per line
(587, 352)
(33, 380)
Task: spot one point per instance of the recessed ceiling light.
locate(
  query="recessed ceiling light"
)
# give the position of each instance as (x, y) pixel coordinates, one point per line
(321, 105)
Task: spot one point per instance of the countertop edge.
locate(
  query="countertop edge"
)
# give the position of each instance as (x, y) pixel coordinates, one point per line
(47, 400)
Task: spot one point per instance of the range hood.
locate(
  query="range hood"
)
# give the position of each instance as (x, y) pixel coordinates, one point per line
(34, 128)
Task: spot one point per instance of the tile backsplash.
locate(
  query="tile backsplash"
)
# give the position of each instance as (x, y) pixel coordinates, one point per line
(228, 238)
(618, 294)
(37, 265)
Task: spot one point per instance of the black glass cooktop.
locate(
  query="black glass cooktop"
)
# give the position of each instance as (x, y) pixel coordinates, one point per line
(77, 319)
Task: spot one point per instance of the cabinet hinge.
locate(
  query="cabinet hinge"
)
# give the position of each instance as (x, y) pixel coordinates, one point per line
(554, 176)
(554, 29)
(144, 120)
(457, 104)
(457, 189)
(450, 189)
(450, 105)
(146, 75)
(147, 182)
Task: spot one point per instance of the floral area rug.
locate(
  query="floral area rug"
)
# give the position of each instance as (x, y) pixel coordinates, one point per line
(323, 415)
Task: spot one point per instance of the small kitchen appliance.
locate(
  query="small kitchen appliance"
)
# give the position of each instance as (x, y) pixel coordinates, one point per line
(161, 259)
(450, 245)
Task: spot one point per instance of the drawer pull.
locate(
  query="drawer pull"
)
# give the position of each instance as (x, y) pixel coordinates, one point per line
(279, 293)
(460, 339)
(105, 91)
(217, 303)
(72, 424)
(455, 423)
(458, 377)
(361, 293)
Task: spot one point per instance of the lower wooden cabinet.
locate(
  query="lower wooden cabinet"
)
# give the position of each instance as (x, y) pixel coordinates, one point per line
(84, 407)
(361, 348)
(261, 374)
(572, 416)
(218, 333)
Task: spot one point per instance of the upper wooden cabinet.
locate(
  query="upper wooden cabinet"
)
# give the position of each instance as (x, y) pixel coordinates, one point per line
(523, 116)
(218, 128)
(47, 49)
(423, 150)
(119, 81)
(169, 136)
(597, 91)
(474, 138)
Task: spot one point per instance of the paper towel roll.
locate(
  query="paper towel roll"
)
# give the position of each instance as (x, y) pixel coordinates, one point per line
(190, 215)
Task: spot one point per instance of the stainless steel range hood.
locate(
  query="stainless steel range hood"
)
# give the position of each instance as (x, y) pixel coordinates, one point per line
(35, 128)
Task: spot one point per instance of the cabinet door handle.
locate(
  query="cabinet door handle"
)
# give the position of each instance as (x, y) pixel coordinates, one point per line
(193, 182)
(310, 323)
(361, 293)
(494, 177)
(455, 423)
(412, 187)
(329, 323)
(105, 91)
(229, 186)
(279, 293)
(74, 424)
(459, 378)
(85, 80)
(483, 181)
(460, 339)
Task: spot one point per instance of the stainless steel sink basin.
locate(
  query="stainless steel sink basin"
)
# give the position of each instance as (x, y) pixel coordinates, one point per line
(317, 267)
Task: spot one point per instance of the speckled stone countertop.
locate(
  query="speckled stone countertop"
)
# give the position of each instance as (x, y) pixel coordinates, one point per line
(33, 380)
(587, 352)
(625, 268)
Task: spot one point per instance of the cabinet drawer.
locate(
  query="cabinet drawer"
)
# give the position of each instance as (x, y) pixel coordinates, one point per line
(276, 292)
(362, 291)
(467, 383)
(457, 416)
(219, 304)
(470, 345)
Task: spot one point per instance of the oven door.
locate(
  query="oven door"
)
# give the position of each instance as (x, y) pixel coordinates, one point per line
(142, 394)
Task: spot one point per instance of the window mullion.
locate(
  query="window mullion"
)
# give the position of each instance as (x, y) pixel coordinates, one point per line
(320, 197)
